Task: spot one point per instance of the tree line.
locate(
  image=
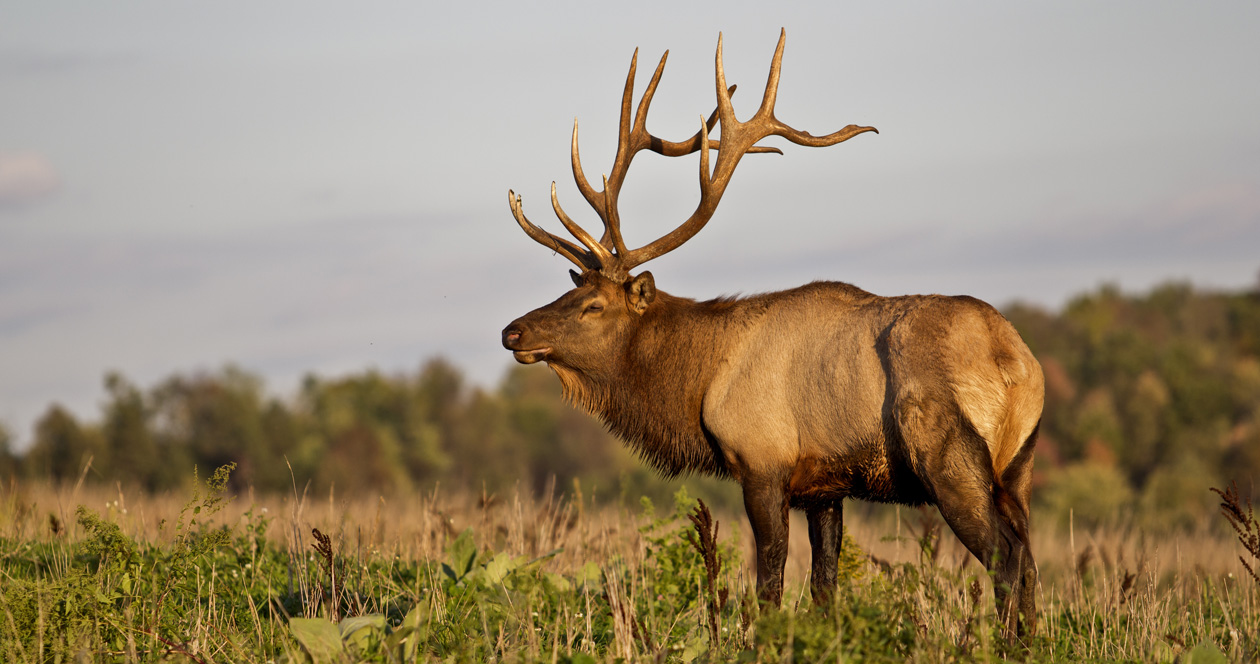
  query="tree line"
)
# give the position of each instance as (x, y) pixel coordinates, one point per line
(1150, 399)
(367, 432)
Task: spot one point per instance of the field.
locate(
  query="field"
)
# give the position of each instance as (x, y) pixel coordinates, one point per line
(91, 574)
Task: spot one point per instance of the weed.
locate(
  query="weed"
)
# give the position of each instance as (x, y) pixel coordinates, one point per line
(706, 545)
(1243, 520)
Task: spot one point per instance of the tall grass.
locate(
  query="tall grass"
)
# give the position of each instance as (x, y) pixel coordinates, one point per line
(100, 574)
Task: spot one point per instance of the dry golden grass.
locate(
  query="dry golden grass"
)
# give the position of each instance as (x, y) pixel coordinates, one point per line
(1113, 593)
(420, 526)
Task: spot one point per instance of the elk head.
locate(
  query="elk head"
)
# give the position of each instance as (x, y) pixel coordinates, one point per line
(583, 329)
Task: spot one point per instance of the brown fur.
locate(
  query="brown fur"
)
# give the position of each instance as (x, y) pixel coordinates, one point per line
(810, 396)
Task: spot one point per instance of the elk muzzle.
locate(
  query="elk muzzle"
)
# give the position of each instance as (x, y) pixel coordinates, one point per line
(512, 340)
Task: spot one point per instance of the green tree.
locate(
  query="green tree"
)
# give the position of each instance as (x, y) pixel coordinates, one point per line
(133, 454)
(359, 427)
(215, 419)
(61, 449)
(10, 464)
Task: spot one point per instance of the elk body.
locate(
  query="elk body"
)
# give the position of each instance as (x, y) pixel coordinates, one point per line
(805, 397)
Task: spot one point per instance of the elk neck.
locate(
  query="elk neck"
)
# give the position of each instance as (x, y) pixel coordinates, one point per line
(652, 394)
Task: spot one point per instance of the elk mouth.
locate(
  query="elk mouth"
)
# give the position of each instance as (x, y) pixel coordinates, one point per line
(512, 342)
(531, 356)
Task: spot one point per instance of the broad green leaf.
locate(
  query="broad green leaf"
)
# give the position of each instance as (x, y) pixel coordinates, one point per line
(359, 631)
(418, 615)
(589, 575)
(320, 638)
(463, 551)
(396, 637)
(411, 633)
(696, 645)
(558, 582)
(355, 623)
(1205, 653)
(536, 562)
(500, 566)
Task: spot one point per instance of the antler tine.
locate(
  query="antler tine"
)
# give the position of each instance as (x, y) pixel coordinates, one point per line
(605, 202)
(712, 184)
(772, 80)
(588, 192)
(612, 220)
(580, 257)
(601, 253)
(632, 136)
(594, 198)
(766, 112)
(706, 177)
(738, 138)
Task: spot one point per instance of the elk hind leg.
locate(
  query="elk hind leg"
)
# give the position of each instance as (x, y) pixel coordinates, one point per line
(1012, 494)
(957, 467)
(964, 489)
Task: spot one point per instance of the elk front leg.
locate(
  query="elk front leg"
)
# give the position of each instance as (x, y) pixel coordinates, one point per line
(826, 532)
(767, 509)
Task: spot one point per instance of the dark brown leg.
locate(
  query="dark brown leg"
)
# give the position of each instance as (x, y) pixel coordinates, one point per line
(826, 531)
(768, 514)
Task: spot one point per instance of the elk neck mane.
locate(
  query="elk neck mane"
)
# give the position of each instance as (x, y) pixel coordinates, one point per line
(651, 395)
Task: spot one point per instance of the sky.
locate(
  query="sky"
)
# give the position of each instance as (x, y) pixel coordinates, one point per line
(314, 187)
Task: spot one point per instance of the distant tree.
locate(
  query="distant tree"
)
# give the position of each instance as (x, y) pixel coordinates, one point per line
(133, 454)
(61, 449)
(282, 431)
(1244, 320)
(10, 464)
(557, 439)
(486, 451)
(215, 419)
(440, 392)
(359, 427)
(1168, 383)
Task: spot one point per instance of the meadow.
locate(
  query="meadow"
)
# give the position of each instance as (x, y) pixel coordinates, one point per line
(198, 575)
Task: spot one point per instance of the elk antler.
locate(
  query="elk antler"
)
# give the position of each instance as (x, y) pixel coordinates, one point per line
(609, 254)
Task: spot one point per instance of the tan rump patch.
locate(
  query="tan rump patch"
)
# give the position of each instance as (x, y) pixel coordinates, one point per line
(999, 386)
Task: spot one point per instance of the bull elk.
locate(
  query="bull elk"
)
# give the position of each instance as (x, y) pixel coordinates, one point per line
(804, 397)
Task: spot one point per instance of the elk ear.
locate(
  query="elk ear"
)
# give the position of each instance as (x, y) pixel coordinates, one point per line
(577, 278)
(640, 292)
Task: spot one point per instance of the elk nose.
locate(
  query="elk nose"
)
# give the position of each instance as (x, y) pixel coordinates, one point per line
(511, 336)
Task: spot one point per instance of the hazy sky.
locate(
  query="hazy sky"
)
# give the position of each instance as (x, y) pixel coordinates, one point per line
(321, 187)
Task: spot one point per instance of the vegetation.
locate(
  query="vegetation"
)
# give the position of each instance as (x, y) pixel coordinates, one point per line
(466, 577)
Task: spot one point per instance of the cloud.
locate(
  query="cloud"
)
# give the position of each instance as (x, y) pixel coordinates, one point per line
(26, 178)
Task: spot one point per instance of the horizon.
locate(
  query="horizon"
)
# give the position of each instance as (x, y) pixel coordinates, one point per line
(290, 392)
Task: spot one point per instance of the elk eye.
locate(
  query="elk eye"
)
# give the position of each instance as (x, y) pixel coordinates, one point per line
(594, 308)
